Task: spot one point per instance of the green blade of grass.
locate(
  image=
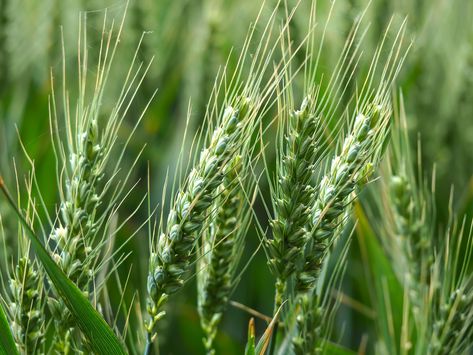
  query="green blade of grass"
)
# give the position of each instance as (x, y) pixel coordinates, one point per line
(250, 348)
(335, 349)
(388, 291)
(7, 344)
(100, 336)
(266, 338)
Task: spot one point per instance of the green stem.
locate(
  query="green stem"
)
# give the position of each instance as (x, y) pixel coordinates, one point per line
(280, 289)
(147, 348)
(149, 344)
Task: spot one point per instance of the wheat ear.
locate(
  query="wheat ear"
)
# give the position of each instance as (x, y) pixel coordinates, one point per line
(172, 255)
(222, 244)
(348, 169)
(84, 156)
(27, 294)
(293, 196)
(27, 313)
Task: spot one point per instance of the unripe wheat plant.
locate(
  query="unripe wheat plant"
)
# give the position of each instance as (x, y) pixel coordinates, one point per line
(236, 177)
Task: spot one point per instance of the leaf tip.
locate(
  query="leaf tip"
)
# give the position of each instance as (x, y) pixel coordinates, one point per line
(251, 327)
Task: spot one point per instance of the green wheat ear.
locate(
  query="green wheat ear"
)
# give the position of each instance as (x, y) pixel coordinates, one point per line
(293, 195)
(26, 285)
(312, 314)
(223, 240)
(345, 174)
(222, 244)
(26, 296)
(247, 95)
(79, 221)
(172, 256)
(87, 151)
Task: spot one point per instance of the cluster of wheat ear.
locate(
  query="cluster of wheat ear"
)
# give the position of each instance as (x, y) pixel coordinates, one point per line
(329, 143)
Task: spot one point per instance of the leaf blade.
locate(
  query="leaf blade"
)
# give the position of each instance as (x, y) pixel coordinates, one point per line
(250, 348)
(389, 293)
(265, 339)
(335, 349)
(7, 344)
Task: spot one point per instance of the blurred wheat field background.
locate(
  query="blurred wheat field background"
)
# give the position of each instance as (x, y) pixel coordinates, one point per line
(204, 172)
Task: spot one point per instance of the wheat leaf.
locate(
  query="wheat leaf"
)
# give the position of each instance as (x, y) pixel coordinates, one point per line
(251, 343)
(335, 349)
(7, 344)
(265, 340)
(389, 292)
